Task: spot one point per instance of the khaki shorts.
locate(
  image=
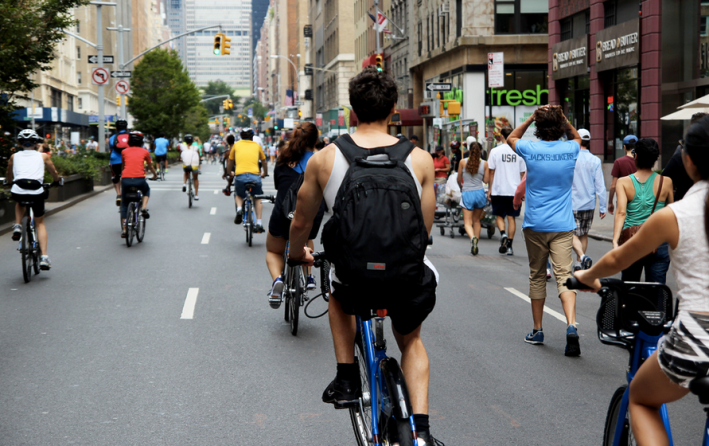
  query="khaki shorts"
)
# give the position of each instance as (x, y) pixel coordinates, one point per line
(541, 246)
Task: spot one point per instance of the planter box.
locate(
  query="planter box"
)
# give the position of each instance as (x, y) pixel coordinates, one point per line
(105, 179)
(7, 211)
(74, 185)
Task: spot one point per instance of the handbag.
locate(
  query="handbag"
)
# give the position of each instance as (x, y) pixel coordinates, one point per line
(630, 231)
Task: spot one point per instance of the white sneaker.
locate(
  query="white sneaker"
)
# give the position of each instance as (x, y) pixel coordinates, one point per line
(196, 198)
(44, 263)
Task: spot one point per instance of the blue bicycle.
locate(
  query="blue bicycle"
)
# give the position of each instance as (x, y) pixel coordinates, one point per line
(635, 316)
(250, 210)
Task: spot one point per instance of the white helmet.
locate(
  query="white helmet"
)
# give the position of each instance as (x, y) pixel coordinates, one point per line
(28, 135)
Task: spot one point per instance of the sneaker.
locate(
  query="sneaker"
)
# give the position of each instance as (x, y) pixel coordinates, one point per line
(510, 251)
(258, 229)
(276, 296)
(196, 198)
(167, 171)
(535, 338)
(548, 274)
(474, 246)
(16, 232)
(426, 439)
(311, 282)
(184, 188)
(118, 200)
(586, 262)
(503, 244)
(44, 263)
(572, 342)
(342, 394)
(145, 213)
(239, 217)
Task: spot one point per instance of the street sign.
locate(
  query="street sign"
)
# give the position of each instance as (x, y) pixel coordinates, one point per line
(298, 103)
(120, 73)
(122, 87)
(99, 76)
(495, 70)
(439, 86)
(106, 59)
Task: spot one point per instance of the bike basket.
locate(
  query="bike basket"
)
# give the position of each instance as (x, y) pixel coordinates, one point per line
(632, 308)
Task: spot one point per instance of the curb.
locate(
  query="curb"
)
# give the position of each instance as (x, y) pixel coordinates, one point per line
(597, 236)
(66, 205)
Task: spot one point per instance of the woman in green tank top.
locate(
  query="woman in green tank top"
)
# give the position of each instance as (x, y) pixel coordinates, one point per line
(636, 198)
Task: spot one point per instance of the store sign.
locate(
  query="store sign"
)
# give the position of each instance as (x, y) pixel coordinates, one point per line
(570, 58)
(495, 70)
(618, 46)
(538, 96)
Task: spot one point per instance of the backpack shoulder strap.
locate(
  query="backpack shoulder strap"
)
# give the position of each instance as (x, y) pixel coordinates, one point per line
(349, 149)
(400, 151)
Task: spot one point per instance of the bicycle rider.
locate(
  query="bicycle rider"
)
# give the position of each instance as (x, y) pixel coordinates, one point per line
(161, 146)
(681, 356)
(29, 164)
(373, 96)
(115, 159)
(243, 168)
(133, 174)
(190, 165)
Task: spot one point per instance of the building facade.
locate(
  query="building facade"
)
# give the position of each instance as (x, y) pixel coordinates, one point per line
(176, 22)
(619, 66)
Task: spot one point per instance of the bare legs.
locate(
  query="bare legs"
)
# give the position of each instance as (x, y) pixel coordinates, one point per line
(580, 246)
(471, 220)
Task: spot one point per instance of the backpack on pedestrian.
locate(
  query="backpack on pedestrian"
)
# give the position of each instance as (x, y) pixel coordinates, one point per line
(376, 235)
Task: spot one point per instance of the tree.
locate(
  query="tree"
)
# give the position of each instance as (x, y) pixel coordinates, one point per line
(163, 96)
(218, 88)
(196, 122)
(29, 33)
(259, 110)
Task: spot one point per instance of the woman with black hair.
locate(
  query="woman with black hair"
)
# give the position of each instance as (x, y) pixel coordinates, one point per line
(639, 196)
(684, 226)
(292, 159)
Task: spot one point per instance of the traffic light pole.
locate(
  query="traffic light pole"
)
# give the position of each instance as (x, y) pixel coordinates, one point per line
(99, 50)
(121, 30)
(376, 23)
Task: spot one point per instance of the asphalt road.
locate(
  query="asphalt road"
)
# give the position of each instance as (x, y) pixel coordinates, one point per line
(95, 352)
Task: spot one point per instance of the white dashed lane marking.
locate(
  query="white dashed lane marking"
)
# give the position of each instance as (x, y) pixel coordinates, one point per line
(547, 310)
(213, 211)
(205, 238)
(190, 303)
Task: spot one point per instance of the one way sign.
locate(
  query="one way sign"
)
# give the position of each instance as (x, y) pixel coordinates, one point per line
(439, 86)
(106, 59)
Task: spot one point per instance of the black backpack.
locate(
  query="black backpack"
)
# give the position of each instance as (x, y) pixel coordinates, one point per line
(376, 233)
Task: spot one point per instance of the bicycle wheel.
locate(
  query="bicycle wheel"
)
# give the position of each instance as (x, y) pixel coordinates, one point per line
(361, 416)
(296, 298)
(286, 290)
(189, 192)
(36, 253)
(249, 224)
(25, 251)
(626, 437)
(140, 228)
(130, 221)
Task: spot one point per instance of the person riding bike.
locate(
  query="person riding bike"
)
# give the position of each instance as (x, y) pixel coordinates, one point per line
(116, 144)
(133, 175)
(373, 96)
(246, 154)
(27, 167)
(190, 165)
(681, 355)
(161, 146)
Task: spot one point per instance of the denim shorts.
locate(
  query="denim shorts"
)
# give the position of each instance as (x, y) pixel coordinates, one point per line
(240, 183)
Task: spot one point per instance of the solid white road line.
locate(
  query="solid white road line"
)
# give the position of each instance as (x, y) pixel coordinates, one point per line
(213, 211)
(547, 310)
(190, 302)
(206, 236)
(216, 191)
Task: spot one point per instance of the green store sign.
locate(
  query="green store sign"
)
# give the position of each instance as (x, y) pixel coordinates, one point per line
(538, 96)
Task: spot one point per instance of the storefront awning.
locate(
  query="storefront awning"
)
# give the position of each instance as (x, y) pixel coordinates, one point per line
(407, 117)
(685, 114)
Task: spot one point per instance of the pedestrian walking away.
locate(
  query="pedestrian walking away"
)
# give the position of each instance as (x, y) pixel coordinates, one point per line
(622, 167)
(548, 218)
(588, 183)
(507, 170)
(472, 173)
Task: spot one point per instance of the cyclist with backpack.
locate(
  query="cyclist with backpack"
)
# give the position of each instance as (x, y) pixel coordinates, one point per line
(287, 177)
(378, 258)
(117, 143)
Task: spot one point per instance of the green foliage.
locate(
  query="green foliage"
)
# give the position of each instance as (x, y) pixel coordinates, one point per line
(164, 98)
(259, 109)
(87, 166)
(29, 33)
(196, 122)
(218, 88)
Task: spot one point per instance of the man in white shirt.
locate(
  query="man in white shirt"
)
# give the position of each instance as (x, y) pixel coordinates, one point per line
(190, 164)
(92, 145)
(506, 172)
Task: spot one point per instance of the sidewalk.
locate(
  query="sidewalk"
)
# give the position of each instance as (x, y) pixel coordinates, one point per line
(53, 208)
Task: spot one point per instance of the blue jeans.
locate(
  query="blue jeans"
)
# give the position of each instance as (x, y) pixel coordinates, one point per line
(130, 183)
(655, 266)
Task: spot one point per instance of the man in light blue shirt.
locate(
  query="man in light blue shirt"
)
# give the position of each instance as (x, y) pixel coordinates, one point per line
(588, 182)
(161, 146)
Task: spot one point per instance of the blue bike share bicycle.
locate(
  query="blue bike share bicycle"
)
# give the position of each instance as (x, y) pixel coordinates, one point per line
(635, 316)
(250, 210)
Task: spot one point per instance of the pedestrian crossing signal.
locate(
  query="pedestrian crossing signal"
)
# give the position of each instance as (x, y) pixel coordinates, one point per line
(218, 37)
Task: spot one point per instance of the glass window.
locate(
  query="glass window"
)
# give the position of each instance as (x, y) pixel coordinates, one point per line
(521, 16)
(78, 53)
(78, 77)
(566, 29)
(622, 112)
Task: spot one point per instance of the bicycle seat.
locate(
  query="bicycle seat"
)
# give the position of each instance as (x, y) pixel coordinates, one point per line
(700, 387)
(132, 194)
(250, 185)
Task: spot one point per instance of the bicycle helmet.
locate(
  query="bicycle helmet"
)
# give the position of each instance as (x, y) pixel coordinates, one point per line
(247, 133)
(121, 124)
(28, 138)
(455, 145)
(189, 139)
(135, 139)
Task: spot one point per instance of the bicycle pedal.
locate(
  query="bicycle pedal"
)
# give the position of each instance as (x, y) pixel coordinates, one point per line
(346, 404)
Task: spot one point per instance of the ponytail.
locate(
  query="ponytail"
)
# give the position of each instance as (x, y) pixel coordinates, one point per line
(305, 137)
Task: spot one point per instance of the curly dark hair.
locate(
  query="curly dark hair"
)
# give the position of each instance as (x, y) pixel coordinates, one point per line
(305, 137)
(550, 123)
(696, 147)
(372, 95)
(646, 153)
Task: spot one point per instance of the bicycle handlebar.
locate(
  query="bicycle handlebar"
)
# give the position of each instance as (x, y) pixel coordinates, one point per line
(270, 198)
(316, 256)
(573, 283)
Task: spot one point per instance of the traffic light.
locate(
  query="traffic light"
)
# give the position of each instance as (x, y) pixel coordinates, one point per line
(225, 104)
(225, 45)
(218, 44)
(379, 63)
(300, 113)
(118, 100)
(230, 103)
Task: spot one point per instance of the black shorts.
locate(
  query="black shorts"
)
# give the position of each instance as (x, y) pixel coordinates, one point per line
(279, 224)
(502, 206)
(408, 305)
(160, 158)
(190, 169)
(116, 171)
(36, 202)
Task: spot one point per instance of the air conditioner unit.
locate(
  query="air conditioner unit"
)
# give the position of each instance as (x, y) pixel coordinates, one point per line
(444, 9)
